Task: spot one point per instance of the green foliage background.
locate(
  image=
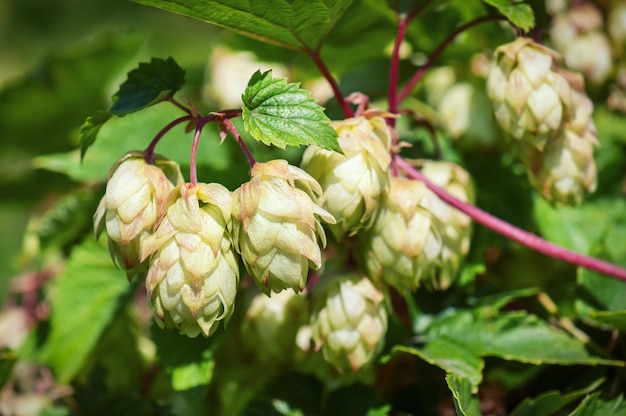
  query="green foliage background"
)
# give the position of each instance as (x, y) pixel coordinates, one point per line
(518, 321)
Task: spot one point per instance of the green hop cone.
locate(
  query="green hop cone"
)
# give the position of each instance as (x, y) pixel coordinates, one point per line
(277, 225)
(455, 227)
(404, 243)
(270, 325)
(353, 181)
(565, 171)
(135, 197)
(348, 322)
(531, 99)
(193, 275)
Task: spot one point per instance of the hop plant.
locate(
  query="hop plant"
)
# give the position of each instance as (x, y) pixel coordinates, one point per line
(193, 275)
(277, 228)
(348, 322)
(616, 26)
(135, 197)
(565, 171)
(578, 33)
(404, 243)
(354, 180)
(270, 325)
(454, 225)
(531, 99)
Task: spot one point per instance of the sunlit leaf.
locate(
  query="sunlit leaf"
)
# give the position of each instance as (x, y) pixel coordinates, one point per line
(594, 405)
(549, 403)
(281, 114)
(299, 24)
(519, 13)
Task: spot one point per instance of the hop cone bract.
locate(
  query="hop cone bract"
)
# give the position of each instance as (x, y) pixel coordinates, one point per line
(277, 225)
(349, 321)
(135, 197)
(531, 99)
(353, 181)
(193, 275)
(404, 243)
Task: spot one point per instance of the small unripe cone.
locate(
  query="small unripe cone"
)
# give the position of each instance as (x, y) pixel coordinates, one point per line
(271, 323)
(135, 197)
(277, 226)
(455, 108)
(193, 275)
(404, 243)
(454, 225)
(565, 171)
(531, 100)
(349, 321)
(353, 181)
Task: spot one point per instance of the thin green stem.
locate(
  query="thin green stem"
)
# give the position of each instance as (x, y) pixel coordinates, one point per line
(438, 51)
(321, 65)
(149, 152)
(516, 234)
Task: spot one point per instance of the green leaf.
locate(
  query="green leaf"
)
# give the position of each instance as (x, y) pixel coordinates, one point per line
(295, 24)
(84, 300)
(90, 129)
(280, 114)
(595, 406)
(551, 402)
(147, 85)
(465, 403)
(450, 357)
(518, 13)
(601, 300)
(514, 336)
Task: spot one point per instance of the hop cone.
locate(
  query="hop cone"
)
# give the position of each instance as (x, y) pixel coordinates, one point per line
(404, 243)
(565, 171)
(277, 225)
(271, 323)
(193, 275)
(349, 321)
(531, 99)
(352, 182)
(135, 197)
(454, 225)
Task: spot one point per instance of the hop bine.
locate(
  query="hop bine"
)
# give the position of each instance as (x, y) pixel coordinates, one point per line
(193, 275)
(277, 225)
(136, 196)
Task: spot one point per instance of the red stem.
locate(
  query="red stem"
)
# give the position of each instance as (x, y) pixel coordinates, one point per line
(317, 59)
(232, 130)
(193, 173)
(442, 46)
(149, 152)
(403, 21)
(179, 105)
(523, 237)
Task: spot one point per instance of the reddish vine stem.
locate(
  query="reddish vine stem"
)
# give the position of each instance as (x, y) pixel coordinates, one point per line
(523, 237)
(179, 105)
(232, 130)
(317, 59)
(403, 22)
(193, 173)
(149, 152)
(433, 56)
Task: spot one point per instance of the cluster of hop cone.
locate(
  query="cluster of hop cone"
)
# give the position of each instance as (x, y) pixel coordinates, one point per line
(335, 234)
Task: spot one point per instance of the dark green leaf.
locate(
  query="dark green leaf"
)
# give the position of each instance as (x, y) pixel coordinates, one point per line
(549, 403)
(7, 360)
(452, 358)
(520, 14)
(601, 300)
(90, 129)
(595, 406)
(465, 403)
(280, 114)
(147, 85)
(299, 24)
(84, 300)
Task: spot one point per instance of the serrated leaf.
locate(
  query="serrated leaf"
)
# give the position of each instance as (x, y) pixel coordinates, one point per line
(518, 13)
(551, 402)
(296, 24)
(148, 84)
(450, 357)
(84, 300)
(514, 336)
(90, 129)
(594, 405)
(465, 403)
(281, 114)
